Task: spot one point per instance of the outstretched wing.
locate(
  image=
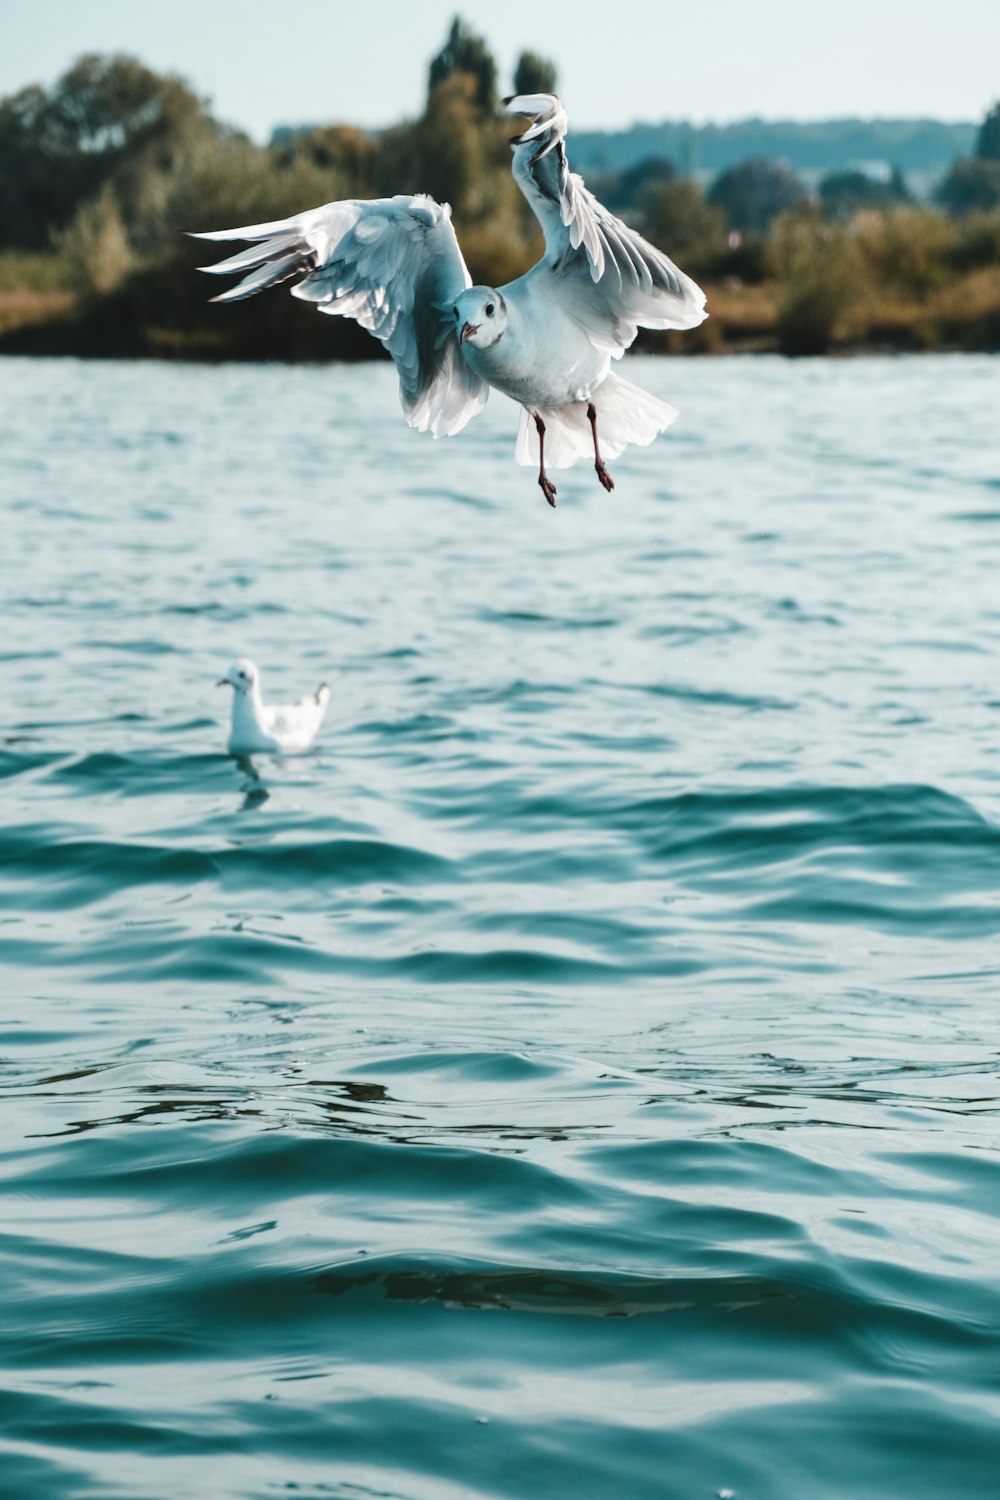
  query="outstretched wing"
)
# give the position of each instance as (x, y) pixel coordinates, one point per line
(605, 276)
(394, 265)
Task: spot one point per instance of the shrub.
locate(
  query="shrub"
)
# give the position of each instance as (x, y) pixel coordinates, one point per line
(95, 247)
(821, 281)
(906, 249)
(685, 226)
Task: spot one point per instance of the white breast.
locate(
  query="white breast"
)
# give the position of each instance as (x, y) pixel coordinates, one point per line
(543, 358)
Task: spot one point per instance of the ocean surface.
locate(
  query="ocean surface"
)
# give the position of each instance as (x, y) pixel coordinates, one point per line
(578, 1077)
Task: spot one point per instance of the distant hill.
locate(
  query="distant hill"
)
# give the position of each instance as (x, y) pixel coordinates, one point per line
(924, 149)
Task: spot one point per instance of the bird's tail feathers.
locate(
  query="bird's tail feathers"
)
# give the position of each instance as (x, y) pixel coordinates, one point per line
(625, 414)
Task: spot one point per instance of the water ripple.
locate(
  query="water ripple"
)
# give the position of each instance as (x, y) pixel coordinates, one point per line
(577, 1076)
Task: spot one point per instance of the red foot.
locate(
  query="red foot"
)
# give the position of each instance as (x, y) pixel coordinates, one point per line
(604, 476)
(548, 490)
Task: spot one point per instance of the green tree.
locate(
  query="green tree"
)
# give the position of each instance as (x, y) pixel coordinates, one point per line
(970, 186)
(843, 194)
(684, 225)
(106, 120)
(534, 75)
(973, 185)
(755, 191)
(632, 191)
(988, 139)
(343, 149)
(104, 106)
(31, 188)
(449, 144)
(453, 153)
(465, 52)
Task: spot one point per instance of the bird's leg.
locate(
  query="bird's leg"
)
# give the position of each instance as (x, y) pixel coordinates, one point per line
(547, 487)
(602, 472)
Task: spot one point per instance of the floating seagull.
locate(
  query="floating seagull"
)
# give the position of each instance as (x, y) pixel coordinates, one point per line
(546, 340)
(257, 727)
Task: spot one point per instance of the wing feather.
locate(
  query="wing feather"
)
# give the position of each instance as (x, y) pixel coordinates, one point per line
(605, 275)
(393, 265)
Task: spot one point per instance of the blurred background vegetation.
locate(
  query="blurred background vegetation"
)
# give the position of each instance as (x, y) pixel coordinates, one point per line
(100, 174)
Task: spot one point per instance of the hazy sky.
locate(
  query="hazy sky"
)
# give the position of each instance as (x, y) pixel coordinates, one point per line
(262, 62)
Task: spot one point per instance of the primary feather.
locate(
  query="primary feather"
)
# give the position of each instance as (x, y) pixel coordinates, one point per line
(608, 278)
(392, 264)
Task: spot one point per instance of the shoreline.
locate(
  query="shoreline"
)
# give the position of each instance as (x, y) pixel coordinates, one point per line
(69, 337)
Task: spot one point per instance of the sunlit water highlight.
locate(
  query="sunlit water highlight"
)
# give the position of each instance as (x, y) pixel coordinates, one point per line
(578, 1077)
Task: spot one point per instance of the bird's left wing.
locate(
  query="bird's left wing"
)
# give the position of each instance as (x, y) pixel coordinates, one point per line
(605, 275)
(392, 264)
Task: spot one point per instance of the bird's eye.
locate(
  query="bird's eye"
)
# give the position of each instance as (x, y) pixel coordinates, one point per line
(490, 309)
(455, 312)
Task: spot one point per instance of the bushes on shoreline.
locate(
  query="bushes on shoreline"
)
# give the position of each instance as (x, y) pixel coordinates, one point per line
(100, 176)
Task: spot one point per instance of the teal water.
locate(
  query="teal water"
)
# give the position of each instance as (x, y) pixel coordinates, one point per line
(579, 1076)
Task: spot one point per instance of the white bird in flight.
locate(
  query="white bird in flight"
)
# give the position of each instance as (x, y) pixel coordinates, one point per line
(258, 727)
(547, 339)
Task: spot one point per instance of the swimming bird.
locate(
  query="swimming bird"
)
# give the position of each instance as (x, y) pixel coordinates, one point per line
(547, 339)
(257, 726)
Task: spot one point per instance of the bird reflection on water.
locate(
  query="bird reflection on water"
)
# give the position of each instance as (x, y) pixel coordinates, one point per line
(254, 789)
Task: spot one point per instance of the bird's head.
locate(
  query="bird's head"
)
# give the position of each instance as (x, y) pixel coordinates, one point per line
(480, 316)
(242, 675)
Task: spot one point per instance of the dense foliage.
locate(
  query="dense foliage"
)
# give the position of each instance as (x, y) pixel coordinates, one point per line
(975, 183)
(100, 174)
(988, 139)
(753, 194)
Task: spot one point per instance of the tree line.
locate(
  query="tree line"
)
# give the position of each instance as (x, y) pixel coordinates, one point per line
(100, 174)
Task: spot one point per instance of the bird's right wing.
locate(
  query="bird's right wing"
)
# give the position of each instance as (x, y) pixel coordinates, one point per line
(604, 274)
(392, 264)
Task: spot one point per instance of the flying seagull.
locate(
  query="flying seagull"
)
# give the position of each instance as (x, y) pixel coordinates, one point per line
(547, 339)
(257, 726)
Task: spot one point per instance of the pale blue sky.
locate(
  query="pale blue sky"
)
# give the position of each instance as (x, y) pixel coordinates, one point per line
(262, 62)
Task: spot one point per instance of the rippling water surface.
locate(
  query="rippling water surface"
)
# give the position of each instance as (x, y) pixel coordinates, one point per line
(578, 1077)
